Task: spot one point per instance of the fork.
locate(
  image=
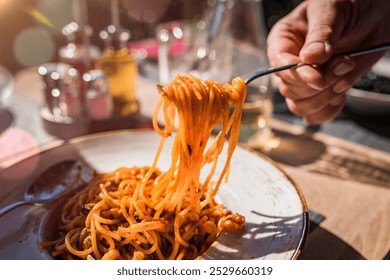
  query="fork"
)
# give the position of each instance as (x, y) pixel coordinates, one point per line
(268, 71)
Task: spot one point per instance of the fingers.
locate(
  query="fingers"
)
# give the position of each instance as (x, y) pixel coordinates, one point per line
(316, 112)
(312, 76)
(327, 114)
(324, 29)
(294, 90)
(287, 37)
(362, 65)
(311, 34)
(321, 77)
(282, 51)
(307, 81)
(321, 105)
(318, 104)
(312, 105)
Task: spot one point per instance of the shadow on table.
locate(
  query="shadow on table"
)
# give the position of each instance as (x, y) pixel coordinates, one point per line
(323, 245)
(338, 161)
(295, 150)
(349, 164)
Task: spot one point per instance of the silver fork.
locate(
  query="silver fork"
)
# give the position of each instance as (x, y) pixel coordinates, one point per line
(268, 71)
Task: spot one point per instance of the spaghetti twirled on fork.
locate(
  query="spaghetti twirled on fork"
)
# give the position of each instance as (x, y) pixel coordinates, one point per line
(144, 213)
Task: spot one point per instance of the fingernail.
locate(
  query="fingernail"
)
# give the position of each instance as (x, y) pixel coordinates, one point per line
(341, 86)
(314, 86)
(305, 73)
(342, 68)
(316, 47)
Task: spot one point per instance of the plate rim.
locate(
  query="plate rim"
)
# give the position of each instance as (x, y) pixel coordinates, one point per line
(305, 210)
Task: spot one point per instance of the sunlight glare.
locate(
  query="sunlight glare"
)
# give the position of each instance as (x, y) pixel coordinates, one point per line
(4, 4)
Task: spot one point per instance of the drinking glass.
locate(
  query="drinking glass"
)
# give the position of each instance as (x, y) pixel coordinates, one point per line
(248, 33)
(185, 48)
(229, 40)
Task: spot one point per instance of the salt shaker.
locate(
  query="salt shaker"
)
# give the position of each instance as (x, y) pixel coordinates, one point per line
(62, 95)
(98, 101)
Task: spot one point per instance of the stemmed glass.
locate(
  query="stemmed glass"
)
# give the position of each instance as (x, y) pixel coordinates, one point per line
(227, 41)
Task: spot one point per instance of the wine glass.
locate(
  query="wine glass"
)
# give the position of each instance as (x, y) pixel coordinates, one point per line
(228, 40)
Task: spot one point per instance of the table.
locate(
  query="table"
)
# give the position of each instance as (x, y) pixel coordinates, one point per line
(346, 186)
(342, 168)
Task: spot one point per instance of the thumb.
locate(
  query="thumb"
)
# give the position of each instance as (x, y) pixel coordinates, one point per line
(324, 28)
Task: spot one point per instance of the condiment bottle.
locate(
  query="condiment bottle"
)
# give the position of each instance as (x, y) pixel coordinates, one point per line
(120, 66)
(98, 101)
(78, 52)
(62, 95)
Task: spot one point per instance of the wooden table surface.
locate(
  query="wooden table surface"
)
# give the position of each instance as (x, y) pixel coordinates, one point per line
(346, 187)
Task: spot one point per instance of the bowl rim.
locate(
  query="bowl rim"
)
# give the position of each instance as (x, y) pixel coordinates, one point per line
(368, 95)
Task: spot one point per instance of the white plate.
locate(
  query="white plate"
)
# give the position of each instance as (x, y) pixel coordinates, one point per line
(275, 210)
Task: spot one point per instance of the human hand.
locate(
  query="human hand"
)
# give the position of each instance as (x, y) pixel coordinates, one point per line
(314, 33)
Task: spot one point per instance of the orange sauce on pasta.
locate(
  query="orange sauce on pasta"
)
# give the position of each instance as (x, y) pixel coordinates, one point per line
(144, 213)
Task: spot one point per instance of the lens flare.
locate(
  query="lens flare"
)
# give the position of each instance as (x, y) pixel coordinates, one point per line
(40, 17)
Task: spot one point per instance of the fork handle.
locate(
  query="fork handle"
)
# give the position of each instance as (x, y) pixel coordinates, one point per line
(261, 73)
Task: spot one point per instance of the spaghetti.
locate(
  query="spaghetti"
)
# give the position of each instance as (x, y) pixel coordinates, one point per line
(143, 213)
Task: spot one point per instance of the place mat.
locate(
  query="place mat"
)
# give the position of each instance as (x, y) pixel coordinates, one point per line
(345, 183)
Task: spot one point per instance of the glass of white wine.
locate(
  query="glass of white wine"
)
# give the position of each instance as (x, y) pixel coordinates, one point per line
(228, 40)
(248, 35)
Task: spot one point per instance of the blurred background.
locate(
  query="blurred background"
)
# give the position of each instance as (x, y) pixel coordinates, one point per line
(31, 30)
(31, 35)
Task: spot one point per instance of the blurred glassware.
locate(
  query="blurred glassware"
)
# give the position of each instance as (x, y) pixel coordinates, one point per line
(228, 41)
(61, 92)
(6, 85)
(98, 101)
(250, 55)
(79, 52)
(198, 46)
(119, 65)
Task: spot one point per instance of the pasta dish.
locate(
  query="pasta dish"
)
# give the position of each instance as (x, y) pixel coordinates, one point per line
(145, 213)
